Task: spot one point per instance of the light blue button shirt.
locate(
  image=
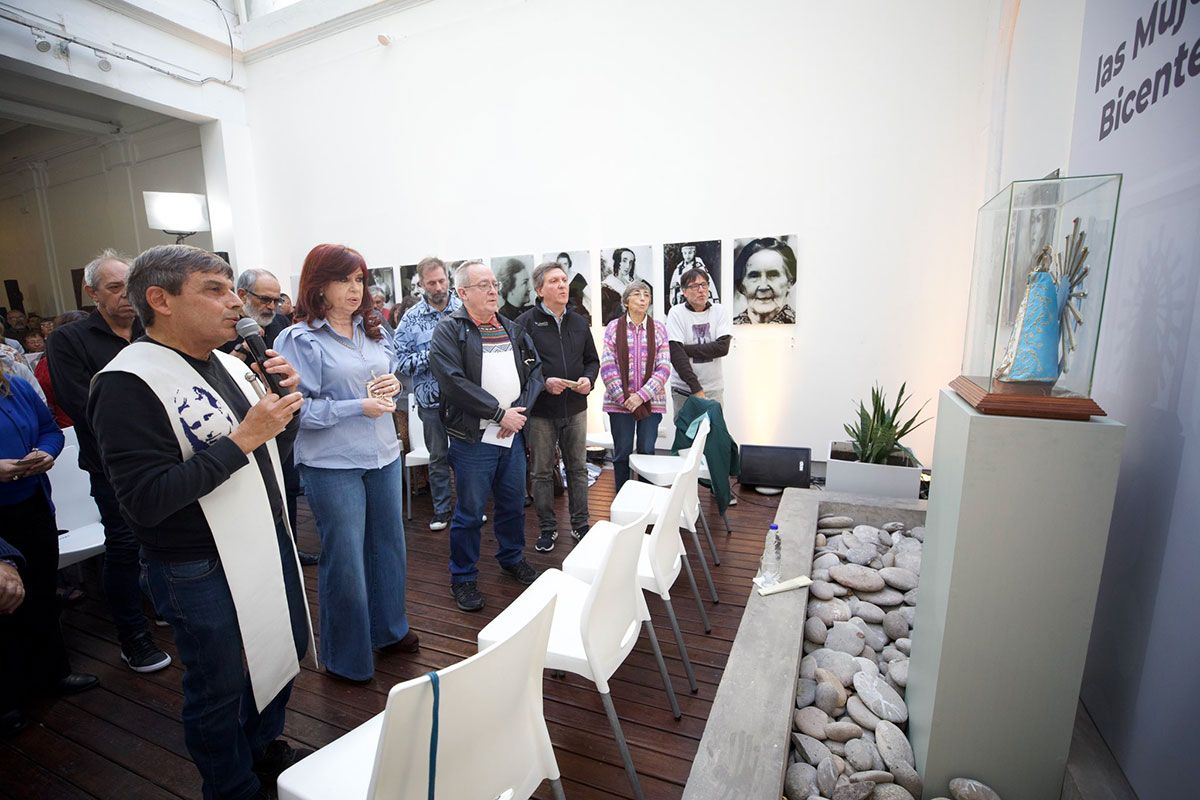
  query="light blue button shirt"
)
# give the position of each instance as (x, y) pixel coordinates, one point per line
(334, 432)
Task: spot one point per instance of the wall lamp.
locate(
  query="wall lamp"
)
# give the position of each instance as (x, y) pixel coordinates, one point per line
(176, 213)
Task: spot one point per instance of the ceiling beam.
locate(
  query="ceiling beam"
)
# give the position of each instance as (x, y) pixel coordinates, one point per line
(58, 120)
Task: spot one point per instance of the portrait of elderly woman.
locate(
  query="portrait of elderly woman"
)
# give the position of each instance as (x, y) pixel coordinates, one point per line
(764, 275)
(516, 286)
(618, 268)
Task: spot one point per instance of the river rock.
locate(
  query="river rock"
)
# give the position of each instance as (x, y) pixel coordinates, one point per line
(826, 561)
(918, 533)
(837, 748)
(834, 521)
(876, 776)
(858, 578)
(868, 611)
(810, 749)
(971, 789)
(819, 575)
(815, 630)
(904, 645)
(893, 745)
(819, 540)
(858, 711)
(868, 665)
(886, 596)
(829, 611)
(898, 671)
(873, 635)
(909, 561)
(840, 664)
(806, 692)
(885, 539)
(895, 625)
(890, 653)
(854, 791)
(910, 598)
(858, 754)
(842, 731)
(827, 775)
(846, 637)
(800, 781)
(811, 721)
(888, 559)
(892, 527)
(899, 578)
(907, 777)
(883, 701)
(827, 698)
(862, 556)
(866, 533)
(891, 791)
(822, 590)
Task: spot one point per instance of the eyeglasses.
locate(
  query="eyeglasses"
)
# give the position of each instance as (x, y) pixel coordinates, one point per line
(484, 286)
(266, 299)
(697, 285)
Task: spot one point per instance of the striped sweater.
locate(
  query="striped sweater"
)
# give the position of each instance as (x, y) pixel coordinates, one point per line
(654, 390)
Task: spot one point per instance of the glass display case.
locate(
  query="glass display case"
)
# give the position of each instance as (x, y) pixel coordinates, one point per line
(1042, 250)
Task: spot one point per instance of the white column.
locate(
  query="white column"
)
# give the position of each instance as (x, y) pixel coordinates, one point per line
(232, 193)
(1017, 525)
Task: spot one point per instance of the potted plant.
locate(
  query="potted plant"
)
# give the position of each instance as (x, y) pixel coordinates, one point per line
(873, 462)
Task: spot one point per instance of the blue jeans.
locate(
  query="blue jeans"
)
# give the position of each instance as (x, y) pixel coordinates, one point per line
(223, 730)
(439, 467)
(122, 565)
(364, 564)
(481, 470)
(623, 427)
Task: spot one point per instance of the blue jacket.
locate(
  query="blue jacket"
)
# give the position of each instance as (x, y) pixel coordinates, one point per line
(413, 338)
(26, 423)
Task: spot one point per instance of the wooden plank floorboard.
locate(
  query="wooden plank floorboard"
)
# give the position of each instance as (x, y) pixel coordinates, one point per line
(124, 739)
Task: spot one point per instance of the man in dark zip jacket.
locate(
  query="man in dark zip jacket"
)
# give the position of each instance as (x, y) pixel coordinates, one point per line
(488, 374)
(558, 420)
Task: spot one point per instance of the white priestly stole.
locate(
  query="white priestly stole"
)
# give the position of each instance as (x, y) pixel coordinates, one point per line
(238, 511)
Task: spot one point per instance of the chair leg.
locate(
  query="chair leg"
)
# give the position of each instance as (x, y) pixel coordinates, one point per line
(556, 789)
(691, 576)
(708, 535)
(408, 489)
(662, 668)
(687, 664)
(619, 735)
(712, 589)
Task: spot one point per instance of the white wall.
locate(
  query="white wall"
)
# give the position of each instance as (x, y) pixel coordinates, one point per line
(544, 125)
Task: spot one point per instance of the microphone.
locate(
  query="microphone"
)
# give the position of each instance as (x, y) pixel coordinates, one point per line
(248, 330)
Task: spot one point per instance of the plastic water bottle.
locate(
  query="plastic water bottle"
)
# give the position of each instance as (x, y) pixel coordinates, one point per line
(772, 560)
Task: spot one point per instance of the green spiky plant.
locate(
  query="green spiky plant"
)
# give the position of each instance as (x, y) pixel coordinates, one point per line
(877, 432)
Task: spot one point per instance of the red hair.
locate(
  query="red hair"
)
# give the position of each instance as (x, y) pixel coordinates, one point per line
(323, 265)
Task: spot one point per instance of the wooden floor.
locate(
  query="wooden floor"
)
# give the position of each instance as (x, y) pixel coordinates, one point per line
(124, 740)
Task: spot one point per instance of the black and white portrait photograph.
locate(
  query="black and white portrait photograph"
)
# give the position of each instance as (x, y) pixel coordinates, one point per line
(619, 266)
(578, 264)
(679, 257)
(515, 276)
(385, 279)
(764, 280)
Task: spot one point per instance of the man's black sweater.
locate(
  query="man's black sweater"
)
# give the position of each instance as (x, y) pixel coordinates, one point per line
(568, 351)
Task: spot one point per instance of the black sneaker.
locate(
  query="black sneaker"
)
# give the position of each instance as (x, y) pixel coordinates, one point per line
(278, 757)
(439, 522)
(580, 532)
(545, 542)
(467, 596)
(521, 572)
(143, 655)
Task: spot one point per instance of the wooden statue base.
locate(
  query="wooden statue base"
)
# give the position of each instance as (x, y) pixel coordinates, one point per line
(1024, 400)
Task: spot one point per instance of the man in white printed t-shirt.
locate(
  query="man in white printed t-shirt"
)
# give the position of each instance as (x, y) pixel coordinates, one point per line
(488, 374)
(700, 332)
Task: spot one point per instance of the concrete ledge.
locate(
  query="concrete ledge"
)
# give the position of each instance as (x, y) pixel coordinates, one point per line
(744, 751)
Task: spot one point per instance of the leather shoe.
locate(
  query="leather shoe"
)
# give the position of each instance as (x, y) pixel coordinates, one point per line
(11, 722)
(75, 683)
(411, 643)
(308, 559)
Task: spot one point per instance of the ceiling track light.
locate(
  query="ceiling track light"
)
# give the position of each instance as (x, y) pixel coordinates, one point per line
(41, 42)
(102, 62)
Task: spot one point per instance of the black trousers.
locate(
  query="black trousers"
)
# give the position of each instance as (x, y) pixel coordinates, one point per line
(32, 654)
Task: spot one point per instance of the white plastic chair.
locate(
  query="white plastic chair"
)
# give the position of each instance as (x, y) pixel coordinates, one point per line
(74, 510)
(636, 496)
(661, 560)
(492, 736)
(418, 454)
(70, 436)
(595, 625)
(663, 470)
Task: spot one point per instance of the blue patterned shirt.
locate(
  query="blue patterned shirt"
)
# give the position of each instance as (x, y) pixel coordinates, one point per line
(412, 348)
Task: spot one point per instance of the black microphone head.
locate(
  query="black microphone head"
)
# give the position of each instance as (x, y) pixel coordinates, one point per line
(247, 327)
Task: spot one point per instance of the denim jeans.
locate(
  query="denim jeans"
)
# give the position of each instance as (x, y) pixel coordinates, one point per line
(364, 563)
(438, 445)
(623, 427)
(481, 470)
(223, 730)
(122, 566)
(545, 437)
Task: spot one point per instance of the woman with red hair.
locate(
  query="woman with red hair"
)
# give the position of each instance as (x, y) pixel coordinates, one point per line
(349, 460)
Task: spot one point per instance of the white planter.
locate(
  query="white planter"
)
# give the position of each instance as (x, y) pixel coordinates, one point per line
(872, 480)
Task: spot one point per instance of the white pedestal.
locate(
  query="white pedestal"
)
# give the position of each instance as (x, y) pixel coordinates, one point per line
(1015, 535)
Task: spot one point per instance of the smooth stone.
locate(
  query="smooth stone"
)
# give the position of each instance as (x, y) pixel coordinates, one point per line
(829, 611)
(895, 625)
(810, 647)
(891, 791)
(888, 559)
(868, 611)
(840, 664)
(820, 575)
(867, 665)
(839, 590)
(800, 781)
(858, 578)
(826, 561)
(869, 652)
(892, 683)
(811, 721)
(846, 637)
(898, 672)
(861, 555)
(858, 711)
(909, 561)
(842, 731)
(918, 533)
(858, 754)
(910, 615)
(885, 539)
(827, 775)
(910, 598)
(850, 540)
(806, 692)
(877, 776)
(866, 533)
(810, 749)
(824, 676)
(834, 521)
(904, 645)
(893, 745)
(835, 747)
(822, 590)
(874, 635)
(906, 545)
(884, 597)
(892, 527)
(899, 578)
(808, 667)
(890, 653)
(907, 777)
(876, 564)
(840, 763)
(881, 698)
(854, 791)
(827, 698)
(815, 630)
(971, 789)
(820, 540)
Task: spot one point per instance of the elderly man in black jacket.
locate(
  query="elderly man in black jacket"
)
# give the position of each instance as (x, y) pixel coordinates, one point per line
(489, 374)
(558, 420)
